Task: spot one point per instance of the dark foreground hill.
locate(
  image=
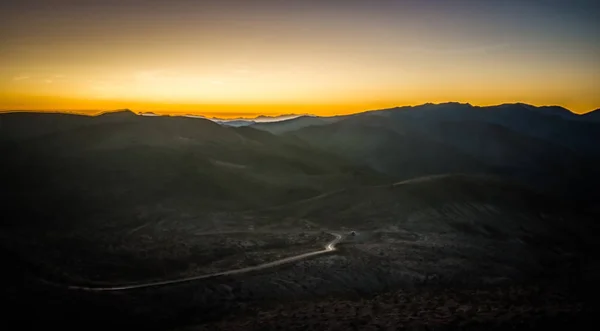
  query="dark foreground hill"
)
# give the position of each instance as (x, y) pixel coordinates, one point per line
(465, 207)
(446, 251)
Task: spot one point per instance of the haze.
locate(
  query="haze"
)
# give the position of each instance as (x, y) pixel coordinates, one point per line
(231, 58)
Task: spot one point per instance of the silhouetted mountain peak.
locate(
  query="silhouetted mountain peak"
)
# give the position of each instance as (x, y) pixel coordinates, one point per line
(118, 112)
(454, 103)
(555, 110)
(543, 110)
(443, 104)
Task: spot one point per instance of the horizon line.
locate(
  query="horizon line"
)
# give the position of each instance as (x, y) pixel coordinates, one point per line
(250, 116)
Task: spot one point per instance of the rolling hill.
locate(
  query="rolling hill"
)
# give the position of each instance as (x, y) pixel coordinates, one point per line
(546, 147)
(394, 150)
(121, 165)
(552, 124)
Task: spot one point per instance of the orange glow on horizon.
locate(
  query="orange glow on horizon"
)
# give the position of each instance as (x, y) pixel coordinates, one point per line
(94, 107)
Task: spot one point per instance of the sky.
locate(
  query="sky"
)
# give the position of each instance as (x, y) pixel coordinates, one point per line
(235, 58)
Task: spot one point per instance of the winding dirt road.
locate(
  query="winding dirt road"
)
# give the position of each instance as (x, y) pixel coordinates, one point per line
(328, 248)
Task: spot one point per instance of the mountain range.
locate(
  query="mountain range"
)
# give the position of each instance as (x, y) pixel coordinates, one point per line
(118, 164)
(547, 147)
(170, 160)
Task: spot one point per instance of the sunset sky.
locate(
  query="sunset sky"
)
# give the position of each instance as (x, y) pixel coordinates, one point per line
(231, 58)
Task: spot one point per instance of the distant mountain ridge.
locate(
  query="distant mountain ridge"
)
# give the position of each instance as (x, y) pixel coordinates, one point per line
(548, 147)
(453, 109)
(548, 110)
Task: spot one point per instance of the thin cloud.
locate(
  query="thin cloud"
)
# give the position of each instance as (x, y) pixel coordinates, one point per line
(21, 77)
